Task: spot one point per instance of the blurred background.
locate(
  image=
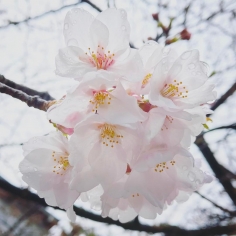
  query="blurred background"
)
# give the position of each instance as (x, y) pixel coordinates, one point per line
(30, 37)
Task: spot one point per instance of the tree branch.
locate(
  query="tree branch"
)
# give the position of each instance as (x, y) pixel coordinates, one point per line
(232, 126)
(134, 225)
(51, 11)
(231, 213)
(224, 97)
(29, 91)
(216, 167)
(31, 101)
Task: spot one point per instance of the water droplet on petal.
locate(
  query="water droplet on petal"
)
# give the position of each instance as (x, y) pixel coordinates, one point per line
(123, 28)
(72, 42)
(186, 55)
(66, 26)
(191, 66)
(198, 182)
(35, 169)
(194, 73)
(191, 176)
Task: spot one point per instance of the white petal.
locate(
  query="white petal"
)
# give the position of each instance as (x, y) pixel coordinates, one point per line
(130, 68)
(70, 62)
(76, 27)
(118, 26)
(71, 214)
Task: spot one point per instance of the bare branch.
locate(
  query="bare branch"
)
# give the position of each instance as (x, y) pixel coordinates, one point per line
(232, 126)
(215, 166)
(51, 11)
(232, 213)
(29, 91)
(168, 230)
(224, 97)
(31, 101)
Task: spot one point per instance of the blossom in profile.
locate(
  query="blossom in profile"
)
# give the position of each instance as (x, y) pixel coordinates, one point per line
(46, 168)
(100, 43)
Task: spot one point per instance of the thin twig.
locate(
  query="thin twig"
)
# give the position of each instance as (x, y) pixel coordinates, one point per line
(224, 97)
(232, 213)
(48, 12)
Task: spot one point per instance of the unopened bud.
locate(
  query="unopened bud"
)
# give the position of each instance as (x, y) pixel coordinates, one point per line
(185, 35)
(155, 16)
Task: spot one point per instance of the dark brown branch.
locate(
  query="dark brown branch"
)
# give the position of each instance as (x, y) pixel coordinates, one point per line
(215, 166)
(51, 11)
(29, 91)
(232, 213)
(224, 97)
(232, 126)
(31, 101)
(168, 230)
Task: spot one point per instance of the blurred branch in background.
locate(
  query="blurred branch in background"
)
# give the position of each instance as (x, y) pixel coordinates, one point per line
(49, 12)
(30, 209)
(168, 230)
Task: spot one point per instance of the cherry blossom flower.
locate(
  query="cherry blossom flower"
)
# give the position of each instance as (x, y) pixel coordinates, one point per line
(102, 150)
(130, 122)
(183, 86)
(148, 193)
(99, 94)
(100, 43)
(46, 168)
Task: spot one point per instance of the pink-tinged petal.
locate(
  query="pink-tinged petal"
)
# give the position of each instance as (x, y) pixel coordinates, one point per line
(127, 215)
(154, 123)
(108, 163)
(81, 143)
(76, 27)
(71, 214)
(148, 211)
(130, 68)
(49, 197)
(99, 35)
(136, 202)
(54, 141)
(70, 111)
(151, 54)
(70, 63)
(37, 169)
(198, 96)
(84, 180)
(188, 70)
(123, 108)
(118, 26)
(65, 197)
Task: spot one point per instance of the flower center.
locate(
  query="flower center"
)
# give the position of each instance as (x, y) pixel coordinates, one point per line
(174, 90)
(163, 166)
(109, 135)
(99, 58)
(100, 98)
(146, 79)
(61, 163)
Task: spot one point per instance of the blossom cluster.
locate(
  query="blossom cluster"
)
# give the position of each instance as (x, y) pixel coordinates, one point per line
(125, 130)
